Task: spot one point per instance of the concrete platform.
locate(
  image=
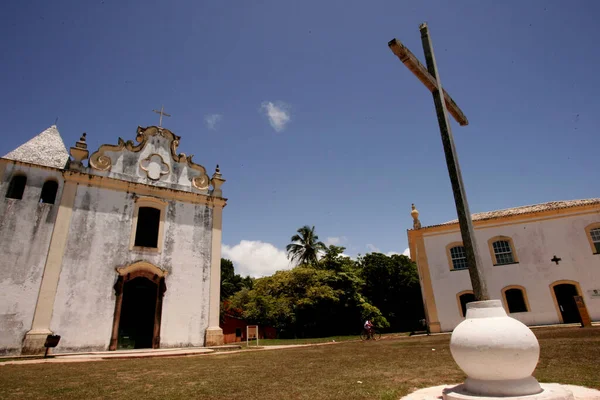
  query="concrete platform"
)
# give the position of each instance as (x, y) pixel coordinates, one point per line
(552, 391)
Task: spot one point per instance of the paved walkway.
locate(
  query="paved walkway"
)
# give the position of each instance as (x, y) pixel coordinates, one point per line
(189, 351)
(150, 353)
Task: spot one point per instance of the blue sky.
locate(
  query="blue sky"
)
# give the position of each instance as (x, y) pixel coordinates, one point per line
(357, 140)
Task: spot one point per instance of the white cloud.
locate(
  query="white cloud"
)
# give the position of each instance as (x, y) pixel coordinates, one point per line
(278, 114)
(406, 252)
(212, 120)
(336, 240)
(256, 258)
(372, 248)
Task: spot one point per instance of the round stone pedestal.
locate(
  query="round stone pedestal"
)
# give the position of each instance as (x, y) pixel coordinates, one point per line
(497, 352)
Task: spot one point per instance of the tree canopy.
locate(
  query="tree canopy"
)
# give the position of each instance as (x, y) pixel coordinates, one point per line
(305, 247)
(332, 295)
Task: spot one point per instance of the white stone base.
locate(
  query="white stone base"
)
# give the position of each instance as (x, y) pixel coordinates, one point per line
(551, 391)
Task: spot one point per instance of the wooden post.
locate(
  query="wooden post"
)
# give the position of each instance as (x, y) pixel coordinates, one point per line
(460, 196)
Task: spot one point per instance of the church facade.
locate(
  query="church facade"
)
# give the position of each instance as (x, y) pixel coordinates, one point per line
(542, 261)
(116, 250)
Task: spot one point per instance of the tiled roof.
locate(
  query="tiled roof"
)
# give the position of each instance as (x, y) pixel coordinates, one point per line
(532, 209)
(46, 149)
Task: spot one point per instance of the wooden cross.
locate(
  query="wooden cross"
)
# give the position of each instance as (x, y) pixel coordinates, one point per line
(556, 259)
(161, 112)
(443, 102)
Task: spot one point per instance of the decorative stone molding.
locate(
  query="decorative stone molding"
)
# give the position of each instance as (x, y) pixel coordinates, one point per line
(141, 269)
(100, 161)
(216, 182)
(154, 166)
(142, 189)
(415, 214)
(79, 152)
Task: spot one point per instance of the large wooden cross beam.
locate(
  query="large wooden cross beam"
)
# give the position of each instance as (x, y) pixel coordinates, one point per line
(443, 102)
(413, 64)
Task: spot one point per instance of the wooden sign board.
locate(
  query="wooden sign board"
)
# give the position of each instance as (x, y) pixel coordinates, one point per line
(252, 333)
(583, 313)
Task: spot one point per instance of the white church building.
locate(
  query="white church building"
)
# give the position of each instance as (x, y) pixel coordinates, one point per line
(118, 250)
(536, 259)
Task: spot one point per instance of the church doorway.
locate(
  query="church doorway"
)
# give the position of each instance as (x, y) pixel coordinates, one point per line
(564, 294)
(139, 292)
(136, 324)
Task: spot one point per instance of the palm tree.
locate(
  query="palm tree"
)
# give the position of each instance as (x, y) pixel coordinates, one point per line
(305, 246)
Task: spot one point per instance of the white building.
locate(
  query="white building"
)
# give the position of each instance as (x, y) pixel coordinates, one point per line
(123, 253)
(535, 259)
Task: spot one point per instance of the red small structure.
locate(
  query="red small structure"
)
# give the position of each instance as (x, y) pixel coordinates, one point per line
(234, 330)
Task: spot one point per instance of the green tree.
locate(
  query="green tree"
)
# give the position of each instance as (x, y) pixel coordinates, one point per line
(392, 285)
(308, 302)
(305, 246)
(231, 282)
(333, 260)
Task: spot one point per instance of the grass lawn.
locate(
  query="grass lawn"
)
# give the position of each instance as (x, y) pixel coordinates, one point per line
(386, 369)
(271, 342)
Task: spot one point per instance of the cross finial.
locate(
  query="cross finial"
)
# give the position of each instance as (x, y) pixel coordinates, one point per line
(161, 112)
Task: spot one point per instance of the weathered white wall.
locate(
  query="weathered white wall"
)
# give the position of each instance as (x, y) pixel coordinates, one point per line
(25, 231)
(98, 243)
(536, 243)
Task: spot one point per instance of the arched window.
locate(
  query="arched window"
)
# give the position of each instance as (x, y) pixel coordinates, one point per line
(49, 192)
(148, 223)
(464, 298)
(502, 250)
(593, 234)
(16, 187)
(515, 299)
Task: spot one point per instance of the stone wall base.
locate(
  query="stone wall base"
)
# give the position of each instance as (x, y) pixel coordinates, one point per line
(34, 341)
(214, 337)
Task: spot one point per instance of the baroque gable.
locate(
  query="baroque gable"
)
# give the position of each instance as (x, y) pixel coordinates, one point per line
(153, 160)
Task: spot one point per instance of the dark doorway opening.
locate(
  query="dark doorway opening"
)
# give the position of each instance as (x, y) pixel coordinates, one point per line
(566, 303)
(49, 192)
(464, 299)
(136, 323)
(515, 301)
(148, 224)
(16, 187)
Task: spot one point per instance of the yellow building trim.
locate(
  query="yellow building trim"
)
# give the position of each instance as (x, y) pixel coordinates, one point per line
(449, 255)
(214, 333)
(418, 254)
(560, 282)
(142, 189)
(158, 204)
(523, 291)
(3, 164)
(588, 232)
(460, 310)
(34, 339)
(517, 219)
(513, 250)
